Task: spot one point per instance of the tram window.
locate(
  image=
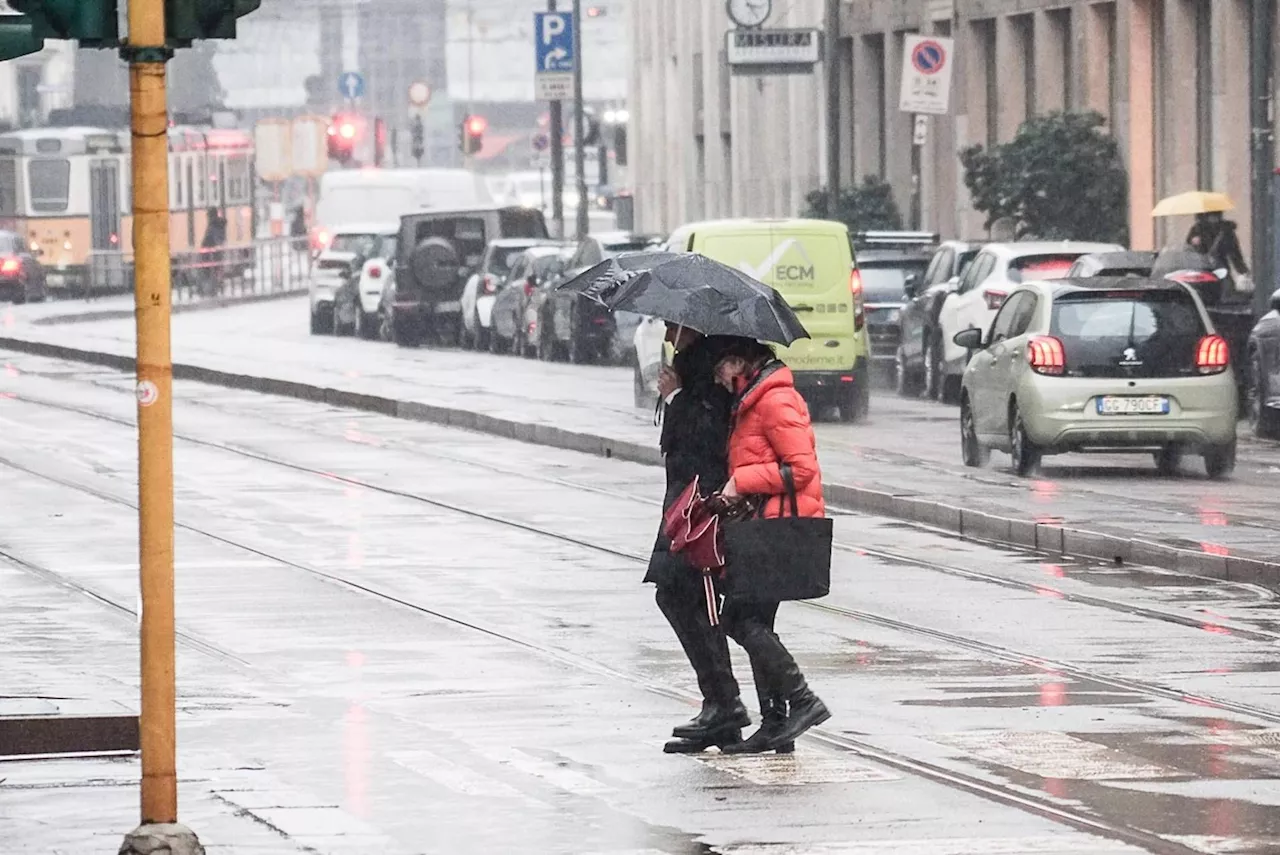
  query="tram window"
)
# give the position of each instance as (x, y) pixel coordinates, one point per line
(8, 187)
(237, 179)
(50, 184)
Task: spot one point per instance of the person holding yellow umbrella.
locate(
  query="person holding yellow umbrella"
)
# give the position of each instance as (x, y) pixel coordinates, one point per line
(1211, 234)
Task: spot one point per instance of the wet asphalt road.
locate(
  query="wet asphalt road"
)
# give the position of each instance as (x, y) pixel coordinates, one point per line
(907, 448)
(400, 638)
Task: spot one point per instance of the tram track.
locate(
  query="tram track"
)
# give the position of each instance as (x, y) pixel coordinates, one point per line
(1011, 796)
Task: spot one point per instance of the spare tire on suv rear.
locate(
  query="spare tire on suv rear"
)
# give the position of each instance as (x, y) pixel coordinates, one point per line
(434, 264)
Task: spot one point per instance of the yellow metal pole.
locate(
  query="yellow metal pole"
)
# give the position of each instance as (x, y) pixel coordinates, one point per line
(149, 128)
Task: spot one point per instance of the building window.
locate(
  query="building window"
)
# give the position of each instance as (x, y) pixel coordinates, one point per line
(875, 64)
(1060, 31)
(1023, 30)
(984, 33)
(1204, 93)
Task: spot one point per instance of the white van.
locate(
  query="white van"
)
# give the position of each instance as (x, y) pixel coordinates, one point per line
(351, 196)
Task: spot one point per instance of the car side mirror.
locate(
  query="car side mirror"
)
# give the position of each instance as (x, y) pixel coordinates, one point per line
(911, 285)
(1275, 301)
(970, 339)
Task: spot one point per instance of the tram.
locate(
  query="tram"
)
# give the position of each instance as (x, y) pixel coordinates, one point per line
(66, 191)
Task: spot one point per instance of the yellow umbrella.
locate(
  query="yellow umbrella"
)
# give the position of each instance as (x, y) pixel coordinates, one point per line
(1195, 202)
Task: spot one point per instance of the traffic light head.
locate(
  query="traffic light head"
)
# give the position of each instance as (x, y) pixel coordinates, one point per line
(345, 133)
(17, 37)
(187, 20)
(94, 23)
(473, 128)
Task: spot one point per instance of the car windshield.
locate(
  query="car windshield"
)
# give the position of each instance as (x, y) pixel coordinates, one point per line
(503, 258)
(887, 284)
(1147, 333)
(359, 244)
(1038, 268)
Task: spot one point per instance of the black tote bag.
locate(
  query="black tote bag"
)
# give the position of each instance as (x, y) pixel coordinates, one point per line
(779, 558)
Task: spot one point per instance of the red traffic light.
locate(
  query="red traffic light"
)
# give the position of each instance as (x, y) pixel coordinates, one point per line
(346, 128)
(476, 125)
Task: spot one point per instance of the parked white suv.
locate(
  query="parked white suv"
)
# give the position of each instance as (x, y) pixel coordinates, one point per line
(335, 306)
(994, 273)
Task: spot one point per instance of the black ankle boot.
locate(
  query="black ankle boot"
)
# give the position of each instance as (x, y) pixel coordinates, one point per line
(713, 719)
(773, 716)
(721, 739)
(807, 710)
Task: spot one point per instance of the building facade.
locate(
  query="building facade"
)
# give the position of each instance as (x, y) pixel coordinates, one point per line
(1170, 76)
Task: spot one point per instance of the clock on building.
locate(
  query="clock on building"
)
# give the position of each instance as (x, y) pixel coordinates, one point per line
(750, 13)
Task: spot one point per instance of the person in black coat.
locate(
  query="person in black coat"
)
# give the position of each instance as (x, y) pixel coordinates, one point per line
(695, 439)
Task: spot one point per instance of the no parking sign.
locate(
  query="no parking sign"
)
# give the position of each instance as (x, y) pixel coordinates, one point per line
(926, 74)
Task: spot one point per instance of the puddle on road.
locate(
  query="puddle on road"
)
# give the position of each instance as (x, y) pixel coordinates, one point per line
(1192, 783)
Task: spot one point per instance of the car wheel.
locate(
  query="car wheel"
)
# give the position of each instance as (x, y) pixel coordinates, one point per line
(950, 385)
(1220, 460)
(1025, 453)
(405, 333)
(855, 403)
(367, 325)
(1264, 420)
(1168, 460)
(321, 321)
(932, 367)
(973, 452)
(340, 328)
(577, 353)
(904, 382)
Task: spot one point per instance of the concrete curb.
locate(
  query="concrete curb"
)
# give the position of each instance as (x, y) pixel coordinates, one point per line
(1049, 538)
(179, 308)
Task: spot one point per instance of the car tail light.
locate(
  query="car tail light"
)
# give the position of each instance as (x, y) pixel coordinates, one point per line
(995, 299)
(1046, 355)
(490, 284)
(855, 290)
(1213, 355)
(10, 265)
(1193, 277)
(375, 272)
(320, 239)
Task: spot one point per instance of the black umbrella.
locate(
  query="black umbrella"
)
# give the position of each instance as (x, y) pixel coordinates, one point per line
(691, 290)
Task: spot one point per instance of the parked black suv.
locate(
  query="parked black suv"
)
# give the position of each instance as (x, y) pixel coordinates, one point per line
(427, 302)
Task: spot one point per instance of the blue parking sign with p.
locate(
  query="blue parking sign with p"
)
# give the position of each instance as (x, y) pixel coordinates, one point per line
(553, 41)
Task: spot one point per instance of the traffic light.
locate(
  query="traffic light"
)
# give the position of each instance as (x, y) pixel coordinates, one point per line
(345, 133)
(473, 128)
(418, 139)
(620, 145)
(93, 23)
(590, 128)
(379, 142)
(187, 20)
(17, 37)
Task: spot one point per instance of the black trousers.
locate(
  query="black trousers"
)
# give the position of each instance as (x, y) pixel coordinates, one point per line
(683, 604)
(776, 674)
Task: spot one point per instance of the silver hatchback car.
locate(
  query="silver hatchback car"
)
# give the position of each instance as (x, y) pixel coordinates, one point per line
(1099, 365)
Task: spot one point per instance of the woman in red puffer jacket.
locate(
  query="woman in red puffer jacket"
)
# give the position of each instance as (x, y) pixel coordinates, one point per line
(771, 427)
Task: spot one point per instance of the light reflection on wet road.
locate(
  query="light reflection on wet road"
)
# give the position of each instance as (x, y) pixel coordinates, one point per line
(1103, 691)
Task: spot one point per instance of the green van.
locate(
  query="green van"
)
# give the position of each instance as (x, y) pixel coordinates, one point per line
(811, 264)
